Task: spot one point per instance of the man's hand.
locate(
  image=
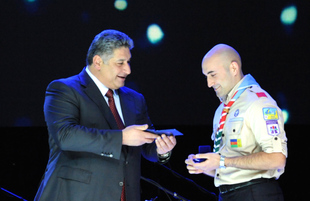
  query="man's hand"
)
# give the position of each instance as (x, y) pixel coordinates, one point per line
(135, 135)
(207, 167)
(255, 161)
(190, 165)
(165, 143)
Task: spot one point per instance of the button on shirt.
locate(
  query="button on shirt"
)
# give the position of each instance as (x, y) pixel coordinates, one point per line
(253, 124)
(103, 89)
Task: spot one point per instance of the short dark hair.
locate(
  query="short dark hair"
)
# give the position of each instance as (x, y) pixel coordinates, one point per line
(105, 43)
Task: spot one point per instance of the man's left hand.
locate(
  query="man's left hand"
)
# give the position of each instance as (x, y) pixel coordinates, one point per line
(165, 143)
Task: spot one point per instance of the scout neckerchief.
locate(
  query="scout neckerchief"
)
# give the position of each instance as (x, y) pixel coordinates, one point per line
(247, 82)
(218, 137)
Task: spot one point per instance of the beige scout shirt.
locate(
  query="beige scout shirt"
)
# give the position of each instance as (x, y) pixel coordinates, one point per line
(253, 124)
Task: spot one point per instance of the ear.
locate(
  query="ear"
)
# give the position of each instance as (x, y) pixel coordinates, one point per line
(234, 68)
(97, 61)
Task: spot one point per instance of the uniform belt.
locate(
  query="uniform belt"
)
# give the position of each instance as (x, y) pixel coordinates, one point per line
(227, 188)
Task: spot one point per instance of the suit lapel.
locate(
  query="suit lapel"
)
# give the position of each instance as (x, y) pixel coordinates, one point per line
(128, 107)
(128, 110)
(92, 91)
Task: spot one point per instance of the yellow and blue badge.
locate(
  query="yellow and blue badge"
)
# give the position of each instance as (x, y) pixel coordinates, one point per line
(270, 113)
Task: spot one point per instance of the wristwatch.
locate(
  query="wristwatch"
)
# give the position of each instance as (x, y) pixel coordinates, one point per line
(166, 155)
(222, 162)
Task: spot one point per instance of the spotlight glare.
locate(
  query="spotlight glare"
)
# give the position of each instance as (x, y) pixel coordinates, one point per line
(120, 4)
(154, 33)
(289, 15)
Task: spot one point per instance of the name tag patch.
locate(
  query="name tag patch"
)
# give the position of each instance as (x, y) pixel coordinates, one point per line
(235, 143)
(273, 127)
(270, 113)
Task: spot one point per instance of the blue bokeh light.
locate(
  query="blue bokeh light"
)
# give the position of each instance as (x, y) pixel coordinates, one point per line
(32, 6)
(154, 33)
(289, 15)
(120, 4)
(286, 115)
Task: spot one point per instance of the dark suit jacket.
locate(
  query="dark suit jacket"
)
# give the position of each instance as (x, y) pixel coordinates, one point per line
(87, 161)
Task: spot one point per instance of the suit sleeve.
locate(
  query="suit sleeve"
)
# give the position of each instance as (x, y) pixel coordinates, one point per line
(149, 151)
(62, 115)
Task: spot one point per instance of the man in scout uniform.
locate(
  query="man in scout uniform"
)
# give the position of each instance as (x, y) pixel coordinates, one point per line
(250, 145)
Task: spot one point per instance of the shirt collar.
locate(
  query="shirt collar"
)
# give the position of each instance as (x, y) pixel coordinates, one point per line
(247, 81)
(103, 89)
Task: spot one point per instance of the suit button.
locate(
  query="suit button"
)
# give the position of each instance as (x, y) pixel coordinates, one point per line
(121, 183)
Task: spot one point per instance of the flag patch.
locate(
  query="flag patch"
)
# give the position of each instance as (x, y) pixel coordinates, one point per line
(261, 94)
(270, 113)
(235, 143)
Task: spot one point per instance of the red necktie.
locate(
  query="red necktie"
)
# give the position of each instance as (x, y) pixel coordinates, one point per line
(120, 125)
(112, 106)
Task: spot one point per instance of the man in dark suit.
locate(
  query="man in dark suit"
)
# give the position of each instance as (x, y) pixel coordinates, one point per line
(91, 157)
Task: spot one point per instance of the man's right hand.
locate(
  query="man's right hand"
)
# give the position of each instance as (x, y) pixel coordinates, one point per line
(135, 135)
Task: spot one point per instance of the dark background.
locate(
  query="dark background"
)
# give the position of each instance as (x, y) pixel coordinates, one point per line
(46, 40)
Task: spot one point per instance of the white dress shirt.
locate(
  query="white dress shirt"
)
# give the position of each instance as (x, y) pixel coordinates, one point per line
(103, 89)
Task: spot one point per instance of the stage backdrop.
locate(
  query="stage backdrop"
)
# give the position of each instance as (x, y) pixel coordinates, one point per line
(46, 40)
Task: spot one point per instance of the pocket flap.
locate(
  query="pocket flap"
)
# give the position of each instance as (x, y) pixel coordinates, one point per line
(234, 126)
(75, 174)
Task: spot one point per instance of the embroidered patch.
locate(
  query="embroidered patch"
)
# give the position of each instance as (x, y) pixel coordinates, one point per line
(270, 113)
(273, 127)
(235, 143)
(261, 94)
(236, 113)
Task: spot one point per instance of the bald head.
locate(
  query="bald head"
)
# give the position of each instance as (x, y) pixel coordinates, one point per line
(222, 67)
(225, 53)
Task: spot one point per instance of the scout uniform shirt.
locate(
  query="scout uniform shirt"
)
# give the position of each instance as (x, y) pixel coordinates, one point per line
(253, 124)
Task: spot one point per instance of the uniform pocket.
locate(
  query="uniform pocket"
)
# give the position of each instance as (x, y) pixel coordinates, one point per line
(234, 126)
(232, 130)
